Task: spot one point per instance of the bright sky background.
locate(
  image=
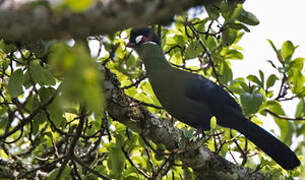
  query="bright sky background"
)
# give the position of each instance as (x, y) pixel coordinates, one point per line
(280, 20)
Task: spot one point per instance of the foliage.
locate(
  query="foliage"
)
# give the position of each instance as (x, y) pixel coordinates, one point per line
(52, 104)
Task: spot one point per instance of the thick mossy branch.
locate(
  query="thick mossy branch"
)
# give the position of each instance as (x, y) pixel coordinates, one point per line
(206, 164)
(30, 23)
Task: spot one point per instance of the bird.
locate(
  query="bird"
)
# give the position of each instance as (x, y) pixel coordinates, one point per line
(194, 99)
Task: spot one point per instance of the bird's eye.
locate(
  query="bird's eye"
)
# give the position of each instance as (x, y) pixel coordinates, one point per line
(139, 39)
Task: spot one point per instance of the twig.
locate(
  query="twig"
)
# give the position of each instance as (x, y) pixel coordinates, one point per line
(21, 176)
(70, 153)
(209, 55)
(76, 159)
(172, 48)
(135, 83)
(284, 117)
(30, 117)
(146, 104)
(233, 157)
(148, 144)
(164, 163)
(76, 170)
(282, 91)
(131, 162)
(150, 161)
(244, 154)
(189, 69)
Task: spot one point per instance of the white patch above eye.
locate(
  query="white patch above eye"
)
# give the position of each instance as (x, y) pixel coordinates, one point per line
(139, 39)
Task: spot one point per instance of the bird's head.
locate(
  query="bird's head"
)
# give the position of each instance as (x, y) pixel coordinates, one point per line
(140, 36)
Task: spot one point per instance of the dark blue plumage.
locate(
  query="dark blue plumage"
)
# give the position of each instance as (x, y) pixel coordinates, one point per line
(193, 99)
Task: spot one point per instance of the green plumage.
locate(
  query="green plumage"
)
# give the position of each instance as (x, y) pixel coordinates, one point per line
(193, 99)
(171, 86)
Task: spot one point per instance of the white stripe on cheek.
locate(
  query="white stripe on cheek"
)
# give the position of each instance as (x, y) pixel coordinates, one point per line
(150, 42)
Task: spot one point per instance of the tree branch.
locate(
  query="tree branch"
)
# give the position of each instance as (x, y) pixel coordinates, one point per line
(284, 117)
(29, 23)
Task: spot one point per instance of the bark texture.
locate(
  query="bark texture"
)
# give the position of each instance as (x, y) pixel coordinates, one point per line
(36, 21)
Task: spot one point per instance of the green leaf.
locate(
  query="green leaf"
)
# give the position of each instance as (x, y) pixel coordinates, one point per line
(248, 18)
(41, 75)
(239, 26)
(176, 59)
(188, 133)
(274, 106)
(255, 79)
(131, 62)
(3, 121)
(46, 93)
(120, 53)
(296, 65)
(301, 131)
(212, 11)
(82, 79)
(15, 82)
(131, 178)
(102, 169)
(231, 54)
(65, 175)
(287, 50)
(91, 177)
(116, 161)
(279, 56)
(213, 122)
(187, 174)
(237, 11)
(295, 75)
(201, 26)
(262, 76)
(229, 36)
(251, 102)
(271, 80)
(2, 45)
(238, 86)
(131, 91)
(78, 6)
(27, 80)
(179, 26)
(224, 7)
(193, 50)
(300, 109)
(7, 48)
(38, 120)
(286, 130)
(226, 73)
(210, 42)
(56, 112)
(244, 86)
(179, 39)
